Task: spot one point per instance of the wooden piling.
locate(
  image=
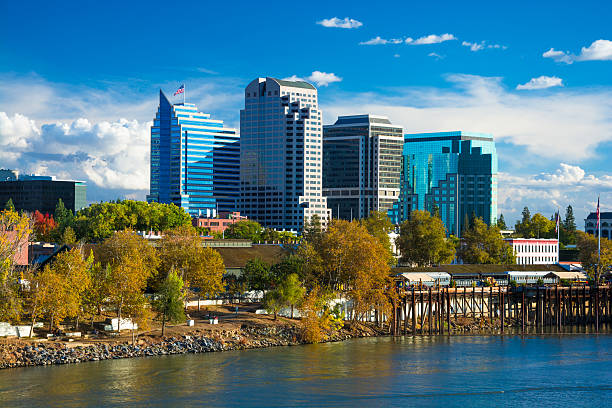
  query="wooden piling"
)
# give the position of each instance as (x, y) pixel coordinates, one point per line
(414, 317)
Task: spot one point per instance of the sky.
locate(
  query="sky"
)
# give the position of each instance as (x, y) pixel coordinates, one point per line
(79, 81)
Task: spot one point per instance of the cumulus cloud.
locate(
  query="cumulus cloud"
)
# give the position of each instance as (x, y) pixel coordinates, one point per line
(431, 39)
(541, 82)
(336, 22)
(546, 192)
(600, 50)
(318, 77)
(435, 55)
(475, 46)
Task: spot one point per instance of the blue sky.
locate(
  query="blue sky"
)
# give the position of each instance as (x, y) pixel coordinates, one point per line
(79, 81)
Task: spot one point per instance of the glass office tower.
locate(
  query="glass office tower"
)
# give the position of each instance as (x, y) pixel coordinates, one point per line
(281, 154)
(362, 157)
(195, 160)
(453, 171)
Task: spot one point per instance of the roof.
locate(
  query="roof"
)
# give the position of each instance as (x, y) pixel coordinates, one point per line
(528, 273)
(238, 257)
(593, 216)
(362, 119)
(295, 84)
(458, 269)
(438, 275)
(570, 275)
(453, 135)
(417, 277)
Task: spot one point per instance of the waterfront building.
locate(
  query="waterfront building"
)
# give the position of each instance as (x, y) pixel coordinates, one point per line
(454, 173)
(281, 154)
(362, 157)
(31, 192)
(534, 251)
(590, 224)
(220, 223)
(195, 160)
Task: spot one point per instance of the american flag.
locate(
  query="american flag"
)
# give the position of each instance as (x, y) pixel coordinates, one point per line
(180, 90)
(557, 221)
(598, 214)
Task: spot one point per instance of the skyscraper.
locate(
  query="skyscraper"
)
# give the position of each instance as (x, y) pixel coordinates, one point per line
(281, 154)
(195, 160)
(361, 165)
(455, 172)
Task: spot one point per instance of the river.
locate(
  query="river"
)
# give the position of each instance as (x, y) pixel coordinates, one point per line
(456, 371)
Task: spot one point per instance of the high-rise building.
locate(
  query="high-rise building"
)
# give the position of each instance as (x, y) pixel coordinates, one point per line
(32, 192)
(454, 173)
(195, 160)
(362, 157)
(281, 154)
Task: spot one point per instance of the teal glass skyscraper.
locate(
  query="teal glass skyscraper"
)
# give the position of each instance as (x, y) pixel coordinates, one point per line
(195, 160)
(453, 171)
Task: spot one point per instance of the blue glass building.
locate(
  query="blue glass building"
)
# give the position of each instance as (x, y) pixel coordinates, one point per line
(453, 171)
(195, 160)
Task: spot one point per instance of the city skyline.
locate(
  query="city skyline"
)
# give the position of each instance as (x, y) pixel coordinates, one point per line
(537, 92)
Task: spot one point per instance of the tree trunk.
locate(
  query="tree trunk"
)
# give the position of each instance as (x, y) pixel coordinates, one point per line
(32, 326)
(275, 315)
(77, 323)
(163, 323)
(51, 322)
(292, 311)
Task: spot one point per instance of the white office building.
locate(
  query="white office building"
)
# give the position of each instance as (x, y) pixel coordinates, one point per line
(281, 154)
(534, 251)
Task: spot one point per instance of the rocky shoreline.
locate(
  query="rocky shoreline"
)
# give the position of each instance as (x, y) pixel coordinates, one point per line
(23, 354)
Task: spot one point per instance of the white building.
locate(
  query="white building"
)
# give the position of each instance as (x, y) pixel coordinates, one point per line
(281, 153)
(534, 251)
(590, 224)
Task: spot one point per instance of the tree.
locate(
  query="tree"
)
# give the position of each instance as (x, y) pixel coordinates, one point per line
(15, 231)
(523, 227)
(273, 302)
(246, 229)
(588, 255)
(291, 291)
(43, 225)
(256, 274)
(9, 206)
(484, 245)
(59, 289)
(568, 227)
(380, 226)
(69, 237)
(314, 321)
(313, 230)
(422, 240)
(501, 222)
(541, 226)
(132, 262)
(170, 300)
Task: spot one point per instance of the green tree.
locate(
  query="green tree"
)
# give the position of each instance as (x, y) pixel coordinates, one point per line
(291, 291)
(588, 255)
(568, 227)
(541, 227)
(246, 229)
(169, 301)
(272, 302)
(422, 240)
(484, 244)
(69, 237)
(501, 222)
(9, 206)
(313, 230)
(256, 275)
(523, 227)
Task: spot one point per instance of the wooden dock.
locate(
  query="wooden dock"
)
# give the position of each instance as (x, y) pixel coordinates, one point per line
(436, 310)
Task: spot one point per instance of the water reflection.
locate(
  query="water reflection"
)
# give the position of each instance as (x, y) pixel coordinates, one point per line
(426, 371)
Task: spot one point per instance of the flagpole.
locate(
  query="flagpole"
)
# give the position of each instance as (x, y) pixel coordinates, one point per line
(184, 92)
(558, 236)
(598, 242)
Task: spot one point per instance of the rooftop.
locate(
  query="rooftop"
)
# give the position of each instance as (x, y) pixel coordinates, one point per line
(453, 135)
(603, 215)
(294, 84)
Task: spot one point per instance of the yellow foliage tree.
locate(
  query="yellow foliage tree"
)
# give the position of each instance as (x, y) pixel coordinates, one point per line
(131, 262)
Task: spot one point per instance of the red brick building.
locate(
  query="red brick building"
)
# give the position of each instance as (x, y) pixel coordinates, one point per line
(219, 224)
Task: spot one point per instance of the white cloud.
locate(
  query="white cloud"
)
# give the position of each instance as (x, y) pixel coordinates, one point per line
(431, 39)
(396, 55)
(569, 123)
(435, 55)
(541, 82)
(381, 41)
(293, 78)
(600, 50)
(548, 191)
(336, 22)
(323, 78)
(474, 46)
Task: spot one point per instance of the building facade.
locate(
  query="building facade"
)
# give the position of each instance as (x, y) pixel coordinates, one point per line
(454, 173)
(534, 251)
(590, 224)
(362, 158)
(41, 193)
(195, 160)
(281, 154)
(220, 223)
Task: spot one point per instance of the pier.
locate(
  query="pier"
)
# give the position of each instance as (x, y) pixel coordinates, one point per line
(431, 311)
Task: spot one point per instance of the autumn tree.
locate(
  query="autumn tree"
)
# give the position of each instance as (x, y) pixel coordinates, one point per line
(422, 240)
(132, 262)
(15, 231)
(380, 226)
(169, 301)
(9, 206)
(482, 244)
(43, 225)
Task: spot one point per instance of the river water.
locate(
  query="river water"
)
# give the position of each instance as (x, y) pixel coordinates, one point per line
(456, 371)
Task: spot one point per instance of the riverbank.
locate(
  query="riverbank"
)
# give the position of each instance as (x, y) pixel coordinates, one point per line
(249, 335)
